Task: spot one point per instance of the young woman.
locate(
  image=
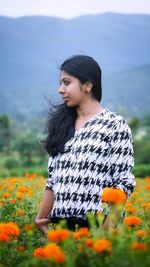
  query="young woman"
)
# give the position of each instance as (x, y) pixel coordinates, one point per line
(89, 148)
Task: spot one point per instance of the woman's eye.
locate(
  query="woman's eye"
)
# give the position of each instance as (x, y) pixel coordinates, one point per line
(66, 82)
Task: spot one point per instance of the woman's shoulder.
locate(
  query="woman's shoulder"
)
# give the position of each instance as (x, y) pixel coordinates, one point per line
(115, 119)
(113, 115)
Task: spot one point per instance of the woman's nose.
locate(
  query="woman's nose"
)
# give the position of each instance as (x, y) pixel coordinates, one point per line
(61, 89)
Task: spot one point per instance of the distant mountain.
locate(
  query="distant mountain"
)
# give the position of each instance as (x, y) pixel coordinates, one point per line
(32, 49)
(128, 92)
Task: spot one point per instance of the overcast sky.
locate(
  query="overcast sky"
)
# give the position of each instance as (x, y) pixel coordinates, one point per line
(71, 8)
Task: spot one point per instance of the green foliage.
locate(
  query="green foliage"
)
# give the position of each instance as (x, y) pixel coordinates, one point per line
(142, 151)
(116, 247)
(141, 170)
(146, 120)
(20, 171)
(134, 123)
(4, 121)
(26, 153)
(12, 163)
(27, 146)
(4, 133)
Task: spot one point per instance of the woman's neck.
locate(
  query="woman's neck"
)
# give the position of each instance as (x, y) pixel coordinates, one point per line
(88, 109)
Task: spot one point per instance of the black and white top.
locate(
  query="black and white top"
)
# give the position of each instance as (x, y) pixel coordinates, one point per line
(99, 155)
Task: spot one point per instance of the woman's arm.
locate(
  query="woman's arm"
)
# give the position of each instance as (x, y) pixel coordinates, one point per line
(41, 219)
(122, 162)
(122, 158)
(112, 218)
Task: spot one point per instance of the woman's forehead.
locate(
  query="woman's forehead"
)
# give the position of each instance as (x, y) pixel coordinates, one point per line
(64, 74)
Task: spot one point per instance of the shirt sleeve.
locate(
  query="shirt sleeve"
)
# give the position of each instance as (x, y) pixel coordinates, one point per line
(122, 158)
(51, 168)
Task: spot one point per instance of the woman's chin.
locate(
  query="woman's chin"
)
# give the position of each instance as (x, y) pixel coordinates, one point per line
(69, 104)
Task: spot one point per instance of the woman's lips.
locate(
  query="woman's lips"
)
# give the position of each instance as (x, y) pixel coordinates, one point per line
(65, 99)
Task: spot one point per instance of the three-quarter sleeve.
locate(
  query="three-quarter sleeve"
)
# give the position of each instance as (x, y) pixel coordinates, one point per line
(122, 158)
(51, 169)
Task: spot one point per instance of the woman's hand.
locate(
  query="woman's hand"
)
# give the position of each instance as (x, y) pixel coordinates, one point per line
(41, 220)
(41, 224)
(106, 223)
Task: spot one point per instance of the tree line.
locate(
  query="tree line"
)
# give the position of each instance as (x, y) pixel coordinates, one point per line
(22, 144)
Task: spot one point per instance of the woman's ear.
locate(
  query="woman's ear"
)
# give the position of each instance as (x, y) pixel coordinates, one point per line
(89, 86)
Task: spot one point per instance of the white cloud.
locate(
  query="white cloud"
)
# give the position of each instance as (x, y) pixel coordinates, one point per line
(71, 8)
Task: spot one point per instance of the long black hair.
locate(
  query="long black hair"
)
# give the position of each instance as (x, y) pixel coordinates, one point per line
(61, 119)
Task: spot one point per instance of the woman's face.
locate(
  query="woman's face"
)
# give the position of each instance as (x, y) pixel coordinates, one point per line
(72, 91)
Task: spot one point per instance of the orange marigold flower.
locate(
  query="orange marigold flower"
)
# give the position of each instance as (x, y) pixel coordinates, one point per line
(29, 193)
(19, 195)
(23, 189)
(39, 253)
(4, 237)
(76, 236)
(147, 178)
(141, 233)
(102, 245)
(21, 248)
(12, 229)
(139, 199)
(148, 187)
(29, 227)
(7, 230)
(89, 242)
(12, 201)
(130, 209)
(147, 206)
(11, 189)
(132, 221)
(58, 235)
(5, 195)
(80, 247)
(134, 194)
(128, 202)
(113, 195)
(138, 188)
(30, 175)
(115, 232)
(54, 253)
(84, 231)
(20, 212)
(139, 246)
(127, 205)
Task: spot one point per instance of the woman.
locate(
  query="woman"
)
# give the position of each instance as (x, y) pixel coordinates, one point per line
(89, 148)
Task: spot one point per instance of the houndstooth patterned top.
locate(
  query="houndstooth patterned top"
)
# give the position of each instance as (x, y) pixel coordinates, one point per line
(99, 155)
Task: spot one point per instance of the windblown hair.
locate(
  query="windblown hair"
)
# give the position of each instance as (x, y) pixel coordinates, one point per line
(61, 120)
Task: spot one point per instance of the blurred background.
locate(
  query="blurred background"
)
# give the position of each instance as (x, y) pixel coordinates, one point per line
(36, 36)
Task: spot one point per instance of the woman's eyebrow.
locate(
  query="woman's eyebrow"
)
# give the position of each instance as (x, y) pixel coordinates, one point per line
(64, 78)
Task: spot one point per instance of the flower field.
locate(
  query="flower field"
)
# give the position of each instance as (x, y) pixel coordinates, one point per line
(21, 245)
